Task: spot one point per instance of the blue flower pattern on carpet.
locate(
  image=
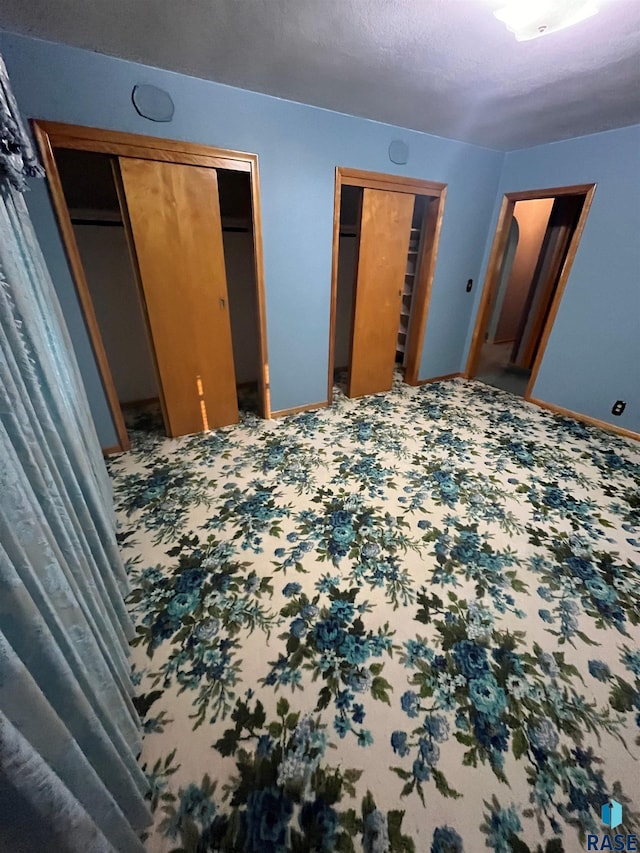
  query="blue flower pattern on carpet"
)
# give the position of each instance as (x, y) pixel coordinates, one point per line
(405, 623)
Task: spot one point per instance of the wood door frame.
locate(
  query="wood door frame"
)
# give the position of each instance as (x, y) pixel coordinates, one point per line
(424, 282)
(50, 135)
(492, 275)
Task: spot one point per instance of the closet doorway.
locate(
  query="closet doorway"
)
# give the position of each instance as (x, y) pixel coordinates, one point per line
(385, 242)
(164, 244)
(536, 241)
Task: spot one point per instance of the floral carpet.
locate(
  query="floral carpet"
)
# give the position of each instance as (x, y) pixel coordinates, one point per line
(405, 623)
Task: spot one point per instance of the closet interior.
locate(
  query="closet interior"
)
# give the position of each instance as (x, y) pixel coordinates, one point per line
(350, 205)
(414, 255)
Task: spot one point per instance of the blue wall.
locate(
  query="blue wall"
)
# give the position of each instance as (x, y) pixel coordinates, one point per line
(298, 148)
(593, 355)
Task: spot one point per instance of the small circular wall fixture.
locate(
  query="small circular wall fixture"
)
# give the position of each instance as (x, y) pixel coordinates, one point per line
(398, 152)
(152, 103)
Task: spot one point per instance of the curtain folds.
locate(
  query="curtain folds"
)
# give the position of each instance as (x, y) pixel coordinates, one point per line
(69, 733)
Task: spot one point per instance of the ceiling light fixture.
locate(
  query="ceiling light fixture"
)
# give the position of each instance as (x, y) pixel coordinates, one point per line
(529, 19)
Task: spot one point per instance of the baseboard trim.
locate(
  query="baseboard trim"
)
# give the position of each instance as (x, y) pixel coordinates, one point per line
(111, 451)
(440, 378)
(134, 404)
(297, 409)
(568, 413)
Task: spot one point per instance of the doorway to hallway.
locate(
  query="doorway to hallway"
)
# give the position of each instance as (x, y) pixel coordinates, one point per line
(536, 241)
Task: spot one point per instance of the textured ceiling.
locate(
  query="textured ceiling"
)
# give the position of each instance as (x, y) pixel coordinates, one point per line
(446, 67)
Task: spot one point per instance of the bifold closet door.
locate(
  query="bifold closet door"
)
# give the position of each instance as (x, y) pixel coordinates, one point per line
(385, 229)
(174, 216)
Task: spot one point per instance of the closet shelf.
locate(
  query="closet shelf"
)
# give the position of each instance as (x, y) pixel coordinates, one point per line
(411, 270)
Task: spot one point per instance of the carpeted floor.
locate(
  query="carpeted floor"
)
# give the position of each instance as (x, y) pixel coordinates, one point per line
(405, 623)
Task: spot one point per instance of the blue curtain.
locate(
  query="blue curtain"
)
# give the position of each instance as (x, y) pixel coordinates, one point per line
(69, 734)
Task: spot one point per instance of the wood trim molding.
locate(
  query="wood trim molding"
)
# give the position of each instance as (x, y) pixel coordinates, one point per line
(144, 153)
(568, 413)
(424, 286)
(82, 289)
(136, 404)
(442, 378)
(146, 147)
(295, 410)
(111, 451)
(264, 384)
(562, 283)
(337, 193)
(54, 134)
(391, 183)
(550, 192)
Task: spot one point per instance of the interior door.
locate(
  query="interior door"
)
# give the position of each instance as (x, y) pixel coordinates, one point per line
(174, 216)
(385, 228)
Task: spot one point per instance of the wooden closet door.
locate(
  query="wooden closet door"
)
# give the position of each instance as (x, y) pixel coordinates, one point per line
(385, 229)
(174, 215)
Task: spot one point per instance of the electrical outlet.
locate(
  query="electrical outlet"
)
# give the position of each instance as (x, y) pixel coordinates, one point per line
(469, 285)
(618, 407)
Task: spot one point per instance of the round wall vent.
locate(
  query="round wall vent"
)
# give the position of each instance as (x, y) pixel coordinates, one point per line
(152, 103)
(398, 152)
